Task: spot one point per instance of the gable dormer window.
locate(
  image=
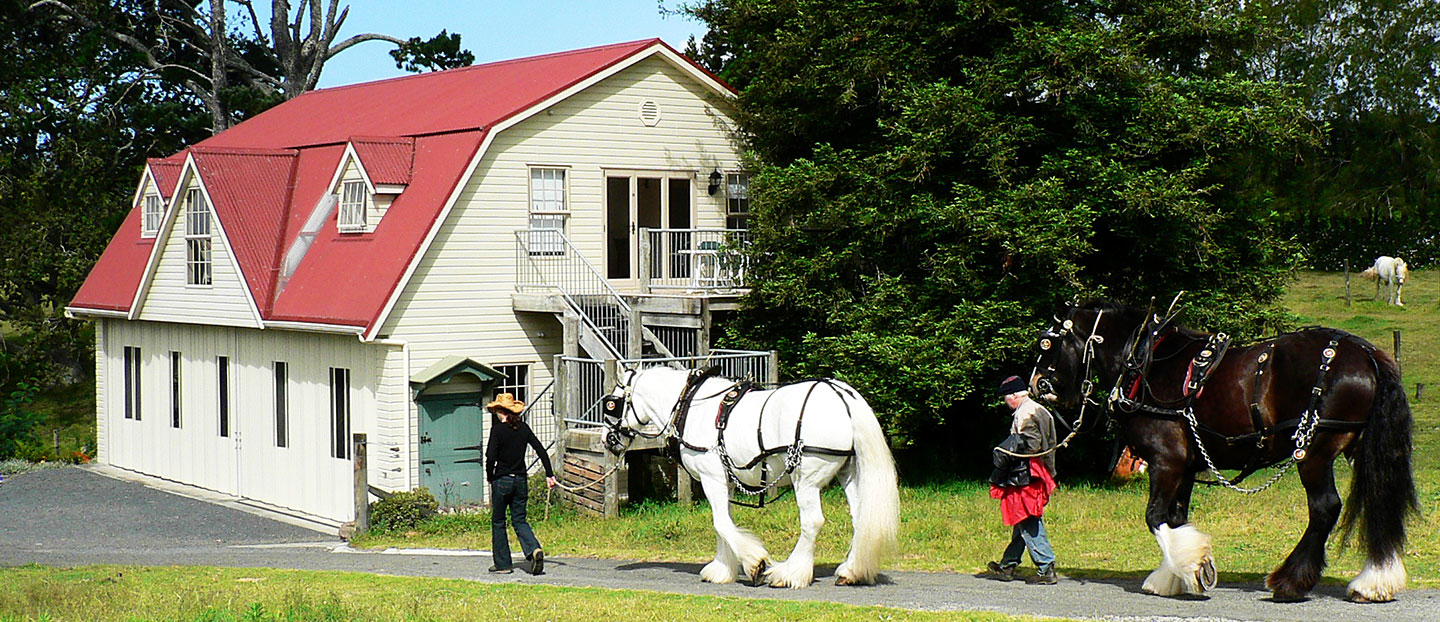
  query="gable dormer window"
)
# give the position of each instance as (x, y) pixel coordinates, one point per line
(353, 200)
(154, 210)
(197, 239)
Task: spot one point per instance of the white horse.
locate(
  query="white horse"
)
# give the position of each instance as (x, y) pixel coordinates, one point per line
(1388, 272)
(831, 419)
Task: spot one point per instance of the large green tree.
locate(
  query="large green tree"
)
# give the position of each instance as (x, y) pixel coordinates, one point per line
(76, 120)
(1370, 72)
(934, 179)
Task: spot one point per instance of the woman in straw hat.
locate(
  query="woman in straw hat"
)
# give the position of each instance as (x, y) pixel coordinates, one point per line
(505, 470)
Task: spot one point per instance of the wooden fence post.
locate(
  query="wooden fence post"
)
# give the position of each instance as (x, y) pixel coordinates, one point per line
(362, 485)
(1419, 391)
(1347, 282)
(1398, 366)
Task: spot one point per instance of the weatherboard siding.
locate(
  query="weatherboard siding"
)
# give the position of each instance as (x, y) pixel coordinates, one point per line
(302, 476)
(224, 302)
(102, 360)
(458, 301)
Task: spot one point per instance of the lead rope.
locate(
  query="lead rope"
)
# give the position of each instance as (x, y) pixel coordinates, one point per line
(1085, 402)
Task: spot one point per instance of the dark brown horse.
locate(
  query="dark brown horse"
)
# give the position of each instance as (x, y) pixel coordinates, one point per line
(1189, 405)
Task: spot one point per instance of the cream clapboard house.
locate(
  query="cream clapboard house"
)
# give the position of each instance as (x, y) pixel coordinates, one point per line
(379, 258)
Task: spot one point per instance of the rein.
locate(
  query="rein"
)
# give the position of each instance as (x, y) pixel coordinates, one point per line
(1087, 387)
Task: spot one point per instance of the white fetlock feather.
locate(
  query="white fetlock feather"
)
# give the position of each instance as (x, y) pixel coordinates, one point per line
(796, 573)
(1379, 583)
(717, 572)
(1186, 553)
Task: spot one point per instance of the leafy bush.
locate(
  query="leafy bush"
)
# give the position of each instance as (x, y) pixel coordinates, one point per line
(17, 420)
(403, 510)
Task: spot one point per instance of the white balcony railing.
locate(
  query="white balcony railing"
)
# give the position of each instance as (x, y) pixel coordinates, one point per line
(694, 259)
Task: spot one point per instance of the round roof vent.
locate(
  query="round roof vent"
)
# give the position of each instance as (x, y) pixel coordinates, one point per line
(649, 112)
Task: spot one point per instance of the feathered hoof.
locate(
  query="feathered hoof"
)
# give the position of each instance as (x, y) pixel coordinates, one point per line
(1356, 597)
(756, 574)
(792, 576)
(716, 572)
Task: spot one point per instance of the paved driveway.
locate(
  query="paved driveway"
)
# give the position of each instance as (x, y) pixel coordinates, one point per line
(68, 517)
(77, 511)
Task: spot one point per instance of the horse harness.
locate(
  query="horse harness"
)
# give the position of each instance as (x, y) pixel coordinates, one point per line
(681, 411)
(1200, 369)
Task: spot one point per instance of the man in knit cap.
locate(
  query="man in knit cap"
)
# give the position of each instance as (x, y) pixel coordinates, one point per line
(1023, 481)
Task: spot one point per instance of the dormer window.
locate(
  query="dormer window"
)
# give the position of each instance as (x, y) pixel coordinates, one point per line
(353, 204)
(154, 210)
(197, 239)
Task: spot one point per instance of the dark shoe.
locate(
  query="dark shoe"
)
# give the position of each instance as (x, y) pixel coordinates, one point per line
(537, 562)
(994, 570)
(1044, 577)
(497, 570)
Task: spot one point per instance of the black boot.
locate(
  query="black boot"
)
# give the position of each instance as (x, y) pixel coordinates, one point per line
(1046, 576)
(994, 570)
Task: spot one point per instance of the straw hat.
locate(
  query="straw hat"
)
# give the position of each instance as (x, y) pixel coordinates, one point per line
(506, 402)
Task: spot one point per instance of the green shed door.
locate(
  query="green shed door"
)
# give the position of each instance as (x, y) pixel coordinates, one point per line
(452, 463)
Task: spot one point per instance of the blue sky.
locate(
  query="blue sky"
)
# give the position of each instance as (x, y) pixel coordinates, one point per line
(499, 29)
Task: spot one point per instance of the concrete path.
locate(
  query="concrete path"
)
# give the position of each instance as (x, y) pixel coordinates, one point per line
(69, 517)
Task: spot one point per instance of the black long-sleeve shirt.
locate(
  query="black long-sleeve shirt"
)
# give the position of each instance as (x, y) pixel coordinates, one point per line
(505, 453)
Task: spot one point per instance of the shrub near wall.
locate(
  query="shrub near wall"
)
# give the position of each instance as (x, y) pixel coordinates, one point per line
(403, 510)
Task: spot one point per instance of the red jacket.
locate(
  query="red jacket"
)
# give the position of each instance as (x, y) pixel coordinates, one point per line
(1018, 503)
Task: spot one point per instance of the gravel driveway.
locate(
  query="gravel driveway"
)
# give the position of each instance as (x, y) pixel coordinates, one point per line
(71, 516)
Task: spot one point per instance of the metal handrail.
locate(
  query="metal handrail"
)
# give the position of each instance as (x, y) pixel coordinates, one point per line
(697, 259)
(573, 277)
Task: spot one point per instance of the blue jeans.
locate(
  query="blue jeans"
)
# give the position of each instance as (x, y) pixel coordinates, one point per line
(1029, 534)
(510, 492)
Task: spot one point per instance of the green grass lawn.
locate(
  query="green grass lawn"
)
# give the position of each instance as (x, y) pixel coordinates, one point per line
(121, 593)
(1097, 529)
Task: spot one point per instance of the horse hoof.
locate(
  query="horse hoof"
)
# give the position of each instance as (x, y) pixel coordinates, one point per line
(758, 575)
(1206, 575)
(844, 581)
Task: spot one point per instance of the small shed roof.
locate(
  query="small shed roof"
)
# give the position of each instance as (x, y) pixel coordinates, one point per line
(449, 367)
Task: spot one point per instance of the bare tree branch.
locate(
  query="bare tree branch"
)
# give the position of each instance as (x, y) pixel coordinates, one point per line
(369, 36)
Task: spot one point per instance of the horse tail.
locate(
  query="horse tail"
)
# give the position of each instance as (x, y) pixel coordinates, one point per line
(1382, 489)
(877, 515)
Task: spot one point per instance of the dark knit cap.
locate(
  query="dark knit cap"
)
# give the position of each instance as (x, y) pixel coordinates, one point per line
(1013, 384)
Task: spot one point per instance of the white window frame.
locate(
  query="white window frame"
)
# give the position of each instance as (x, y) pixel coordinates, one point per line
(281, 373)
(199, 263)
(132, 382)
(519, 387)
(151, 215)
(341, 400)
(354, 201)
(224, 390)
(549, 199)
(176, 390)
(737, 199)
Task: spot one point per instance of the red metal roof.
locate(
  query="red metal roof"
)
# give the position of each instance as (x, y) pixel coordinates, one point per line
(249, 191)
(468, 98)
(386, 160)
(267, 174)
(112, 282)
(167, 173)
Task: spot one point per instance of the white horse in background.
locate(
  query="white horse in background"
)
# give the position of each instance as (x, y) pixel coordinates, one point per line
(1388, 272)
(830, 418)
